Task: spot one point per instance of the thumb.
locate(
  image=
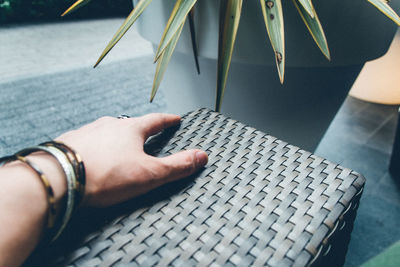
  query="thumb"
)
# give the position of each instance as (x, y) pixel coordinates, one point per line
(183, 164)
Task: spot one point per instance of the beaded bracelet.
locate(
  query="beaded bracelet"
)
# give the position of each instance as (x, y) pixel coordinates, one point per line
(51, 214)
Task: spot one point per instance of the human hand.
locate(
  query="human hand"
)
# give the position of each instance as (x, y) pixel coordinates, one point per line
(117, 168)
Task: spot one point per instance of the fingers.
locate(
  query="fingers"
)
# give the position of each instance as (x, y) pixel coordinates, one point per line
(182, 164)
(152, 124)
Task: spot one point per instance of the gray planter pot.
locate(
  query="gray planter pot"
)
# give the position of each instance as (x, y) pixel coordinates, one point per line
(299, 111)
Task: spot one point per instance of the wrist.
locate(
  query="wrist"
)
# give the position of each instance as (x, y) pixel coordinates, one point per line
(24, 203)
(27, 187)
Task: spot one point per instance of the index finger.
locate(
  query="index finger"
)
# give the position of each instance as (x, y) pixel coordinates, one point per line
(154, 123)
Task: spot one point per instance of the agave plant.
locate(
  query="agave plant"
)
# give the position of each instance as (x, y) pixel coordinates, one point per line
(230, 11)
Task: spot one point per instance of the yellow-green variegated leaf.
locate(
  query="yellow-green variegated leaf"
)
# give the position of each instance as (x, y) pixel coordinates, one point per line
(177, 18)
(230, 11)
(383, 6)
(75, 6)
(136, 12)
(315, 28)
(163, 61)
(273, 17)
(308, 6)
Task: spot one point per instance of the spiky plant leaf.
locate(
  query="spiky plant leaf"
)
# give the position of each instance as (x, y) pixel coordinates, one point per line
(308, 6)
(273, 17)
(315, 28)
(75, 6)
(163, 61)
(136, 12)
(384, 7)
(193, 38)
(230, 11)
(177, 18)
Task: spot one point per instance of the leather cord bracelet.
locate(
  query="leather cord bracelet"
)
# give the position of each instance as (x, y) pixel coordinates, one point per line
(51, 213)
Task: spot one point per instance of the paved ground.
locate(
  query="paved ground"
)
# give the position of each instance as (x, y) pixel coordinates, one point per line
(36, 109)
(361, 138)
(39, 63)
(30, 50)
(47, 86)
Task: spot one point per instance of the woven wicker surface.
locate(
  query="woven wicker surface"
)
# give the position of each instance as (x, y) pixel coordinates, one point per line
(259, 201)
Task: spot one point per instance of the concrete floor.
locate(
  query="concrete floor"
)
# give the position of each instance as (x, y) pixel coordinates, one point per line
(32, 50)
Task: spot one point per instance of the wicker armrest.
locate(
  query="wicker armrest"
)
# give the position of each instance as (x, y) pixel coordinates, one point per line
(259, 201)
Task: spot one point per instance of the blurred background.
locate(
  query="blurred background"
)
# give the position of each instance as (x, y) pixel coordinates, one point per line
(17, 11)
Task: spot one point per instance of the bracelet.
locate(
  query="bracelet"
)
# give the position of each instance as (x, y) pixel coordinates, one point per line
(77, 163)
(74, 171)
(7, 159)
(51, 214)
(71, 181)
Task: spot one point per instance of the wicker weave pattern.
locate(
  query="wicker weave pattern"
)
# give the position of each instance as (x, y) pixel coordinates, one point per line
(259, 201)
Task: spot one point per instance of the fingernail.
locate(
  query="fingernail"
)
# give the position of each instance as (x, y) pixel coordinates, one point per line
(201, 158)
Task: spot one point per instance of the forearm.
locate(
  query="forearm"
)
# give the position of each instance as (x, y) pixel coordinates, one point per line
(115, 169)
(24, 206)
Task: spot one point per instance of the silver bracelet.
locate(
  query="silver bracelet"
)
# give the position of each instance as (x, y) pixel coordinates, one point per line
(71, 182)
